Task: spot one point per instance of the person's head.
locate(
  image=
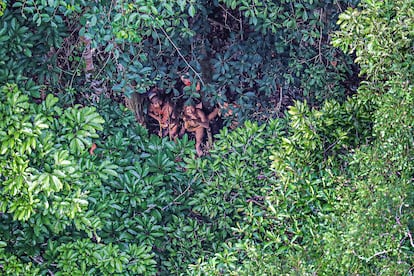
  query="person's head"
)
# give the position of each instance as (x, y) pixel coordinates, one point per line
(155, 99)
(189, 109)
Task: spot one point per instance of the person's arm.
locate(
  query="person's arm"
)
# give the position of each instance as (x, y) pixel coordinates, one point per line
(184, 127)
(157, 117)
(203, 121)
(167, 112)
(153, 115)
(213, 114)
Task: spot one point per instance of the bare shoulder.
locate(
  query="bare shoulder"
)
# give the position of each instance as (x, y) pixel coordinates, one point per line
(201, 114)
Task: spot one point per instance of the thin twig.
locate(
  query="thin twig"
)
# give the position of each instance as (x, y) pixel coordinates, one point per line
(235, 18)
(279, 104)
(339, 6)
(241, 26)
(320, 45)
(256, 202)
(320, 36)
(180, 195)
(411, 237)
(373, 256)
(181, 55)
(104, 65)
(330, 146)
(240, 20)
(222, 26)
(159, 41)
(74, 74)
(248, 143)
(397, 218)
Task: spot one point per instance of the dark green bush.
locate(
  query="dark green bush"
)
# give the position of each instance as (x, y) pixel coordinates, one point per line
(126, 197)
(257, 54)
(273, 221)
(327, 189)
(342, 199)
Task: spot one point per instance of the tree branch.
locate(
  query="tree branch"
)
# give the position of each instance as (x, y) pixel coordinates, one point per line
(182, 56)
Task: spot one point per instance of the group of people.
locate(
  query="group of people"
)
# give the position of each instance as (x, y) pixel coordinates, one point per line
(193, 118)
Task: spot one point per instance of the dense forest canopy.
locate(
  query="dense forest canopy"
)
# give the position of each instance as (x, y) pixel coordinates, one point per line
(206, 137)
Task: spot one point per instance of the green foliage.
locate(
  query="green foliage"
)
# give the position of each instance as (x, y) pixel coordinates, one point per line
(341, 201)
(231, 200)
(85, 258)
(45, 173)
(11, 265)
(139, 44)
(381, 36)
(385, 52)
(147, 203)
(149, 16)
(134, 189)
(272, 221)
(39, 156)
(293, 51)
(327, 189)
(29, 34)
(322, 210)
(317, 136)
(2, 7)
(235, 174)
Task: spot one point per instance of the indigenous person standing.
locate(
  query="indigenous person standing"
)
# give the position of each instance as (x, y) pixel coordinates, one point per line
(163, 112)
(195, 121)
